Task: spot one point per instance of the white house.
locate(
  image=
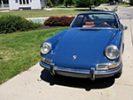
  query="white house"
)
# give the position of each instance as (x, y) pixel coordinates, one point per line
(127, 1)
(21, 4)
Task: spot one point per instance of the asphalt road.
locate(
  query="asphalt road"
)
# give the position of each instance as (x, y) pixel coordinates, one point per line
(36, 84)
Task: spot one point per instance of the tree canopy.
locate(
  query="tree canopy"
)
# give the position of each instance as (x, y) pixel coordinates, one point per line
(76, 3)
(131, 2)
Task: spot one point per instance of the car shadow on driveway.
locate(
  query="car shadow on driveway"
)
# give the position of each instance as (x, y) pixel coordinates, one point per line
(76, 82)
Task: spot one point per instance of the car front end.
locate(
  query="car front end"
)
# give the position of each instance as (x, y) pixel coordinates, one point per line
(111, 67)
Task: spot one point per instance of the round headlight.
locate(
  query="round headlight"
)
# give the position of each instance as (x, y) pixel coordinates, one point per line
(112, 52)
(46, 47)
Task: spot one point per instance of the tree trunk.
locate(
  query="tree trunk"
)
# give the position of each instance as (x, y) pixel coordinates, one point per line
(90, 7)
(131, 2)
(66, 4)
(90, 4)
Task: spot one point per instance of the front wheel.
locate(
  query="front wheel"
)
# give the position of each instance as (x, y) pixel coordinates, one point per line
(118, 75)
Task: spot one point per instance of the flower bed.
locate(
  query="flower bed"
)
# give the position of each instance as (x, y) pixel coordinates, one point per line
(58, 21)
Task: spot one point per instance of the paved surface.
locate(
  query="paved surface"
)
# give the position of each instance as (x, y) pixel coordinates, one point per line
(29, 86)
(126, 13)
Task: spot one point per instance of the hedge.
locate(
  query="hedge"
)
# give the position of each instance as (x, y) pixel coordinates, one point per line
(9, 24)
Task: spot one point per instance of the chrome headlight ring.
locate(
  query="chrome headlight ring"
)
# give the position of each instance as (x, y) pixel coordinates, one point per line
(112, 52)
(46, 48)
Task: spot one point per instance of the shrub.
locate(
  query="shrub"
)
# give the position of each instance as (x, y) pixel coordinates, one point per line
(9, 24)
(58, 21)
(49, 3)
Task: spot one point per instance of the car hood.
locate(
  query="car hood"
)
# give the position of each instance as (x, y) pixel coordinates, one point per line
(83, 48)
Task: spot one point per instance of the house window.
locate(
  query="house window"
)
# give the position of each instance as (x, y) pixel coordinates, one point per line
(27, 1)
(24, 2)
(20, 1)
(16, 1)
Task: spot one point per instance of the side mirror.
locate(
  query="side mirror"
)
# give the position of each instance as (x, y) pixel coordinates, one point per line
(125, 27)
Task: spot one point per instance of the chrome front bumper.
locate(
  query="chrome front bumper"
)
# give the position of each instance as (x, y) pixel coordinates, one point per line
(81, 73)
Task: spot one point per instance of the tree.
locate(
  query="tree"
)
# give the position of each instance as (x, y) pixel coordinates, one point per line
(68, 2)
(57, 2)
(48, 3)
(131, 2)
(84, 3)
(89, 3)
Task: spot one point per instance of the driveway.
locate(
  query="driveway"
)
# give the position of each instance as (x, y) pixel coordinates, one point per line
(37, 84)
(125, 12)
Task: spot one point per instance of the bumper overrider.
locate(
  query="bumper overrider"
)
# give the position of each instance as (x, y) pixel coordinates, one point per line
(99, 71)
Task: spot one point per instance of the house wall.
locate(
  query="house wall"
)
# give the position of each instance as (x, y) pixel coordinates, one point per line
(127, 1)
(34, 4)
(13, 5)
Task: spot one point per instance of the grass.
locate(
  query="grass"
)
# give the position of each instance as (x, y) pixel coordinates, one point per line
(44, 13)
(20, 50)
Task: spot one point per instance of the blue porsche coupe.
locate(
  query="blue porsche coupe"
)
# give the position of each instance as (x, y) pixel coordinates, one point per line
(91, 48)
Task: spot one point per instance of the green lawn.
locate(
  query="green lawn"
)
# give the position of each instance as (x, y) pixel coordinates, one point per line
(45, 13)
(19, 51)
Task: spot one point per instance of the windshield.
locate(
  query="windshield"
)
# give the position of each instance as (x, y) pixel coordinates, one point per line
(91, 20)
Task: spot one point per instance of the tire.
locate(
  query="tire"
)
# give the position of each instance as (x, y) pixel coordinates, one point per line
(118, 75)
(123, 48)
